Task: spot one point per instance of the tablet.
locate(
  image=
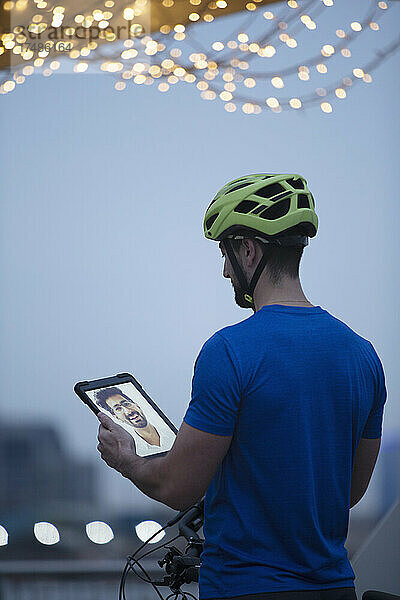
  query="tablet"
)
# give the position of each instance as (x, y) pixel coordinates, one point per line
(124, 400)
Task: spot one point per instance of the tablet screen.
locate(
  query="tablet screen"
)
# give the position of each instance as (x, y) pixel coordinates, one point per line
(129, 409)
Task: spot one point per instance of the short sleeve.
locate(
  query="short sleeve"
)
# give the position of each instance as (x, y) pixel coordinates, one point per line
(373, 426)
(215, 400)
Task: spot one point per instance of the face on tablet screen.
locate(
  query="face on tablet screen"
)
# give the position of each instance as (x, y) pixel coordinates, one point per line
(127, 407)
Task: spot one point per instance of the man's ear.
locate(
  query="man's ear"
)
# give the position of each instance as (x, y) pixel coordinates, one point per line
(249, 251)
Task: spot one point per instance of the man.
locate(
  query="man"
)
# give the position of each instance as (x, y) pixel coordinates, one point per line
(283, 428)
(128, 411)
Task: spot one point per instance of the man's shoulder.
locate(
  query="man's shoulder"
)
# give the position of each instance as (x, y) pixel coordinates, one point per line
(230, 331)
(356, 343)
(348, 331)
(228, 336)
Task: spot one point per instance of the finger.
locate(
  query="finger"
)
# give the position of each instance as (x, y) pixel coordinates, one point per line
(105, 435)
(102, 432)
(106, 421)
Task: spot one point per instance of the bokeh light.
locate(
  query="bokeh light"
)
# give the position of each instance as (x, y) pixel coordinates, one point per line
(213, 59)
(99, 532)
(3, 536)
(46, 533)
(146, 529)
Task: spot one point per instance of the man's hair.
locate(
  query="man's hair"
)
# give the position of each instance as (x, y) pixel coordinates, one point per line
(281, 260)
(102, 395)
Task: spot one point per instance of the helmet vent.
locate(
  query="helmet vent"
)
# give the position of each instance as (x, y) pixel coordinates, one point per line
(245, 206)
(296, 183)
(238, 187)
(212, 201)
(280, 209)
(302, 201)
(210, 221)
(269, 191)
(259, 208)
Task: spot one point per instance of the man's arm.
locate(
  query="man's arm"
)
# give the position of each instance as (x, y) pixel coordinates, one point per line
(364, 463)
(179, 478)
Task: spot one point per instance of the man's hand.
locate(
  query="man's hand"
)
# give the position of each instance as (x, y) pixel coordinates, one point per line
(180, 477)
(116, 446)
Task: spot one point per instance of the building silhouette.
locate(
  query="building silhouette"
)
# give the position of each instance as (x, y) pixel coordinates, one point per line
(35, 469)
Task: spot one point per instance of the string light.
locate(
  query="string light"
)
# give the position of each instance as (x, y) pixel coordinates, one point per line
(228, 70)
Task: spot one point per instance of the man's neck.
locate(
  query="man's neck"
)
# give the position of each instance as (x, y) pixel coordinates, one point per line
(288, 293)
(149, 434)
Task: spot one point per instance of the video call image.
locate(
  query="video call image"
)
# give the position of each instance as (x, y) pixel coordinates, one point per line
(129, 409)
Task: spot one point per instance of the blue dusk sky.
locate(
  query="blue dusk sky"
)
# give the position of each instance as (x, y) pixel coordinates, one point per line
(104, 266)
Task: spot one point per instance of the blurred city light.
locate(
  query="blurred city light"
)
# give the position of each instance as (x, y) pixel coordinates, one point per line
(46, 533)
(99, 532)
(3, 536)
(154, 59)
(146, 529)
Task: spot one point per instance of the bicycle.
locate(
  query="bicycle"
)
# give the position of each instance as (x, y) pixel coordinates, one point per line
(180, 567)
(183, 567)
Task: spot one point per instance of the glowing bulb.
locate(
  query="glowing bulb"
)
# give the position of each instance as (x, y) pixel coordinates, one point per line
(8, 86)
(46, 533)
(326, 107)
(272, 102)
(99, 532)
(340, 93)
(128, 14)
(249, 82)
(3, 536)
(295, 103)
(277, 82)
(303, 75)
(230, 107)
(268, 51)
(248, 108)
(81, 67)
(146, 529)
(327, 49)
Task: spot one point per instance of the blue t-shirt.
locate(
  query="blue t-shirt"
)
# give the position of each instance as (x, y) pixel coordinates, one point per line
(297, 389)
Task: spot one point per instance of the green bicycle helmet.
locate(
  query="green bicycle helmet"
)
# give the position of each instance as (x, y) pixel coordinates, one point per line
(275, 209)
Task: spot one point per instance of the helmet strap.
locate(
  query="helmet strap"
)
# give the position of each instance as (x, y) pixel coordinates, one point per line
(247, 288)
